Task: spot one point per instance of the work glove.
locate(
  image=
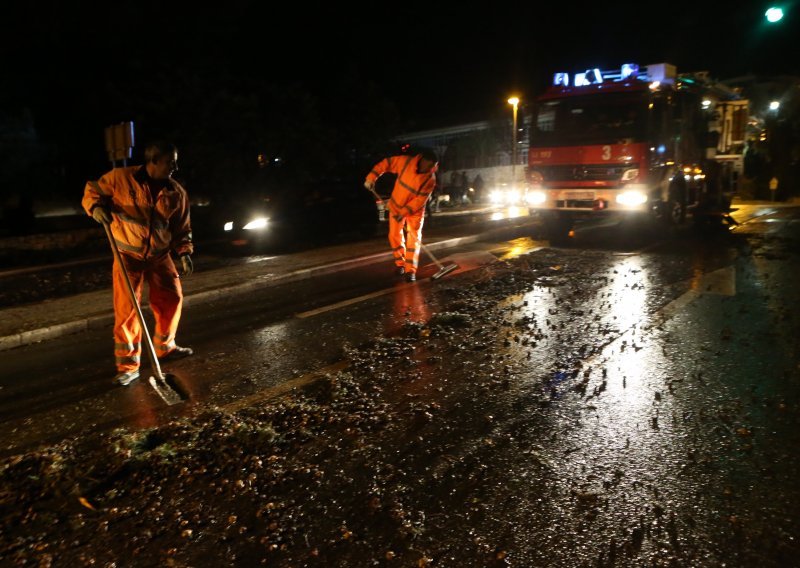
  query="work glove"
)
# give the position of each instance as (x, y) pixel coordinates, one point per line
(101, 215)
(186, 265)
(370, 185)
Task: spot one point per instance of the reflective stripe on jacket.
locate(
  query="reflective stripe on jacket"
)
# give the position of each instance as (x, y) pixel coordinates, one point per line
(141, 228)
(411, 190)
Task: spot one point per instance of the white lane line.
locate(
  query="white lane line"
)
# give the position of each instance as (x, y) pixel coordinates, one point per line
(284, 386)
(721, 282)
(343, 303)
(755, 217)
(465, 262)
(677, 304)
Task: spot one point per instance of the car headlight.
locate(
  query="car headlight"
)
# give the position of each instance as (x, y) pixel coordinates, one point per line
(535, 197)
(632, 198)
(255, 224)
(228, 226)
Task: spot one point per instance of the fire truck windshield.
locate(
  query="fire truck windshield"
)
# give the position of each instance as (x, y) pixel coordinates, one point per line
(603, 118)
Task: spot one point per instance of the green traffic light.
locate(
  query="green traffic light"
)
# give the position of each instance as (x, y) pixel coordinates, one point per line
(774, 14)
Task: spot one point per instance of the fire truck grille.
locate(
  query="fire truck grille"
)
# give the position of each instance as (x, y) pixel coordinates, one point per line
(585, 172)
(575, 203)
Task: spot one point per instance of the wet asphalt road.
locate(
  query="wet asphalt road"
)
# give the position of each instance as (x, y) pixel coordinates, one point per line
(623, 400)
(86, 268)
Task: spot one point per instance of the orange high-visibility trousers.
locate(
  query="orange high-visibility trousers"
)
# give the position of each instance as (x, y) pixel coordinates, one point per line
(406, 247)
(166, 300)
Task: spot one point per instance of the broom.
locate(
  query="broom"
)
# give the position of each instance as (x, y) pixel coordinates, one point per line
(442, 269)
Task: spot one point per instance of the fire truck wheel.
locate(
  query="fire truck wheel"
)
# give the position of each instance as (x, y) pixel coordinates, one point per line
(674, 210)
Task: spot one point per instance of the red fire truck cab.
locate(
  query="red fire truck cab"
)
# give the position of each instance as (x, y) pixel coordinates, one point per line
(633, 141)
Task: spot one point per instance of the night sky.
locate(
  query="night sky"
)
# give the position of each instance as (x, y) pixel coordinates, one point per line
(441, 63)
(439, 60)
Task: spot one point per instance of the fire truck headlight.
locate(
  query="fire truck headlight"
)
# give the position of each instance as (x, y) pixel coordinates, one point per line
(631, 198)
(630, 174)
(535, 197)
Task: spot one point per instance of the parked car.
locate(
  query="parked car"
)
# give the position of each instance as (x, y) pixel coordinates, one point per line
(299, 215)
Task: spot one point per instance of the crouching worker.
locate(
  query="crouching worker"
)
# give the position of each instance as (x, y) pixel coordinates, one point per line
(416, 180)
(148, 213)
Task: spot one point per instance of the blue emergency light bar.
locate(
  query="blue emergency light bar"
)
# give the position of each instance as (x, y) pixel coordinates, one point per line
(663, 72)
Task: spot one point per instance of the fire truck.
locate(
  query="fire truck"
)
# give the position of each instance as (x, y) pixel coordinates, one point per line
(644, 142)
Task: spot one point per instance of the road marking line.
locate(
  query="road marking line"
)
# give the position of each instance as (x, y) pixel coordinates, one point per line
(677, 304)
(721, 282)
(284, 387)
(343, 303)
(767, 213)
(461, 260)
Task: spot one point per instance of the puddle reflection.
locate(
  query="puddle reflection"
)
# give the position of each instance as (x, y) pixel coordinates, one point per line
(602, 357)
(409, 303)
(628, 293)
(603, 368)
(520, 246)
(143, 410)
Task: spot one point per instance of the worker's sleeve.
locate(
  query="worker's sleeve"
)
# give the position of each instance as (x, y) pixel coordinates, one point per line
(100, 192)
(385, 165)
(181, 227)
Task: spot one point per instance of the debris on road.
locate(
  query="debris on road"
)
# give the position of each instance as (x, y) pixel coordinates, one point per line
(463, 440)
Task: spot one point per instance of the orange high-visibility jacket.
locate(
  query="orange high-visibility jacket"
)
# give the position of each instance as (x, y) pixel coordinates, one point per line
(411, 190)
(142, 229)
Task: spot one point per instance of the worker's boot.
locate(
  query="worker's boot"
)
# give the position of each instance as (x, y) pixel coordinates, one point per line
(125, 378)
(400, 270)
(177, 353)
(411, 277)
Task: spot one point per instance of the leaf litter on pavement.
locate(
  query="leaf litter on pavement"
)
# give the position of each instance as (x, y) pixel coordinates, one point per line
(441, 445)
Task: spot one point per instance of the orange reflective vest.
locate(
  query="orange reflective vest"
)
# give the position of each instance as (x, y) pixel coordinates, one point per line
(142, 228)
(411, 190)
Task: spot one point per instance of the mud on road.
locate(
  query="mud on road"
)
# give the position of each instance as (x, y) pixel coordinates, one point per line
(520, 422)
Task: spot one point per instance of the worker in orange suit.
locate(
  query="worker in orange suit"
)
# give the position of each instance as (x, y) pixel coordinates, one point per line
(148, 213)
(416, 180)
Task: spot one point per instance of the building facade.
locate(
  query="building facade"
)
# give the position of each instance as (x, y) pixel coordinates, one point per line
(477, 148)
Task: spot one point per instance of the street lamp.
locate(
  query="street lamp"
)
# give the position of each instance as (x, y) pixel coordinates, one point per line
(774, 14)
(514, 101)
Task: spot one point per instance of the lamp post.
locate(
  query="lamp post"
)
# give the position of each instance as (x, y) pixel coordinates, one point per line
(514, 101)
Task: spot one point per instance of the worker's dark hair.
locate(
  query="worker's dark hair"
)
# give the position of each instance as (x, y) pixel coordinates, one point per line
(154, 151)
(429, 154)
